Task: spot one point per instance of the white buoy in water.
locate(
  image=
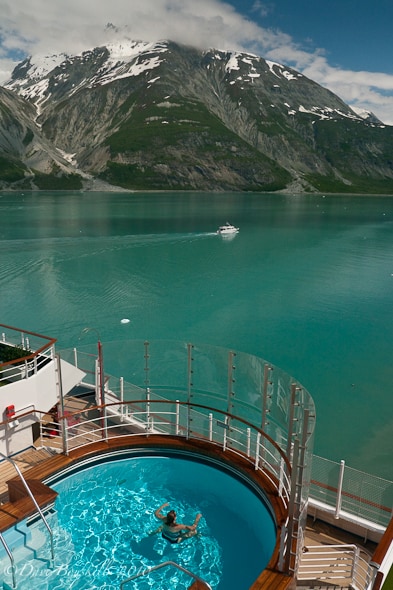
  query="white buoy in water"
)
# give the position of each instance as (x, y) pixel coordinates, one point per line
(125, 321)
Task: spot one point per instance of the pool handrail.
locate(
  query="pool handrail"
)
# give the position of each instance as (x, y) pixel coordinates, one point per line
(148, 570)
(28, 490)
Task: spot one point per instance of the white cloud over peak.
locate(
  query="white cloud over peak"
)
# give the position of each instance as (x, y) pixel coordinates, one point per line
(372, 91)
(60, 26)
(73, 25)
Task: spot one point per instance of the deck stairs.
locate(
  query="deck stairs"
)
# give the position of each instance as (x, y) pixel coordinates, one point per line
(15, 537)
(30, 547)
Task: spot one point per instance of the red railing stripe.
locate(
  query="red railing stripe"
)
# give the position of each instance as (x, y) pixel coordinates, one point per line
(352, 496)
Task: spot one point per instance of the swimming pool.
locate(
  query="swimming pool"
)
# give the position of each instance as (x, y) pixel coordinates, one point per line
(105, 512)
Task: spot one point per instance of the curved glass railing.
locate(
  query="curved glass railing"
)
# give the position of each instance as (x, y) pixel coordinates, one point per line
(241, 384)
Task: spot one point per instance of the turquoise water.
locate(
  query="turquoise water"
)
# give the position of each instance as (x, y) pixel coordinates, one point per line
(306, 284)
(105, 514)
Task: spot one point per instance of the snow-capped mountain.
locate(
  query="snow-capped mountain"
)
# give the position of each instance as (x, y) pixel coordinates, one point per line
(36, 78)
(160, 115)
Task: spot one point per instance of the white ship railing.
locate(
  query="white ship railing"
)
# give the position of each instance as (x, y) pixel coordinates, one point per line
(35, 352)
(164, 417)
(348, 491)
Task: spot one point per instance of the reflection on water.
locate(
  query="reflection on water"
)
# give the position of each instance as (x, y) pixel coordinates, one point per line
(307, 283)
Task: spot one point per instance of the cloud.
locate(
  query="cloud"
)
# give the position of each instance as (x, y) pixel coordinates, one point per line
(372, 91)
(262, 8)
(59, 26)
(46, 26)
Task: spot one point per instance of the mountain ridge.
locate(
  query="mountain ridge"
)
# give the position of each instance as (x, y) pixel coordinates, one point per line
(139, 115)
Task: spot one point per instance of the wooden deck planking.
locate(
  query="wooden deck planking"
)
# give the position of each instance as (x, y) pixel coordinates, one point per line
(273, 580)
(23, 507)
(197, 585)
(24, 461)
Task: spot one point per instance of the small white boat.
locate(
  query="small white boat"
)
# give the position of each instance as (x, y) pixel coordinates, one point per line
(227, 229)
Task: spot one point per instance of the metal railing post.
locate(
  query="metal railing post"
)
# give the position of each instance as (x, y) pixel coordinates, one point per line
(281, 478)
(146, 367)
(248, 441)
(147, 407)
(300, 510)
(224, 444)
(292, 506)
(231, 381)
(146, 356)
(265, 395)
(291, 420)
(190, 385)
(210, 427)
(64, 432)
(177, 417)
(257, 446)
(190, 371)
(121, 398)
(339, 490)
(105, 423)
(101, 391)
(283, 546)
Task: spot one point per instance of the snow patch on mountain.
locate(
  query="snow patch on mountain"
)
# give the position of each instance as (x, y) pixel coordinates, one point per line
(367, 116)
(234, 64)
(126, 70)
(130, 59)
(327, 112)
(282, 72)
(363, 114)
(39, 66)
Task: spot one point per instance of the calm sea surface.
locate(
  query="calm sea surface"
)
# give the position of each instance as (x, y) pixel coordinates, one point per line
(307, 284)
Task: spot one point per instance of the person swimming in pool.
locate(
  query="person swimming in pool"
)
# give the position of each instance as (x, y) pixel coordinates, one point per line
(173, 531)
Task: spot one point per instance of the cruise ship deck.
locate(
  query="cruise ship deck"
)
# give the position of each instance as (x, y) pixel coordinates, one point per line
(41, 460)
(234, 409)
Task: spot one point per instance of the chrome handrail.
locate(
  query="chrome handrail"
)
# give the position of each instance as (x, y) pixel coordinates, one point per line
(28, 490)
(165, 564)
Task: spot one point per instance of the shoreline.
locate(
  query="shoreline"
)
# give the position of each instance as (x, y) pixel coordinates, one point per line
(119, 190)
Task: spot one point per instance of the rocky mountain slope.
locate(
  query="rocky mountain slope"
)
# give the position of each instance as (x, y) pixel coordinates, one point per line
(158, 116)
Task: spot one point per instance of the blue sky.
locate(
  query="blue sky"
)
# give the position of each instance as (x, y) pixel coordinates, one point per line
(354, 34)
(344, 45)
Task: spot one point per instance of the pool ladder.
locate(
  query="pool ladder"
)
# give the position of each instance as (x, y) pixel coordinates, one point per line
(197, 584)
(2, 539)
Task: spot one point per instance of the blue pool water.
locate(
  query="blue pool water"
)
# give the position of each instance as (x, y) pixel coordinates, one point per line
(104, 514)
